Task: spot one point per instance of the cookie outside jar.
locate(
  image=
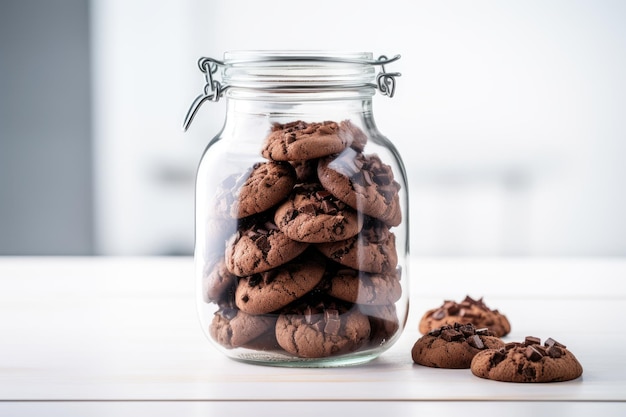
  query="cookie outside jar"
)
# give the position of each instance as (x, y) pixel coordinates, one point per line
(302, 233)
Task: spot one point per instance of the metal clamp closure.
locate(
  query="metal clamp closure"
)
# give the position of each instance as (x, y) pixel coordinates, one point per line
(386, 81)
(212, 90)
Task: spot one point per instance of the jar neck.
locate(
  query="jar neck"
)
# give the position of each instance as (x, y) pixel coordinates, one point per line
(300, 95)
(255, 115)
(318, 106)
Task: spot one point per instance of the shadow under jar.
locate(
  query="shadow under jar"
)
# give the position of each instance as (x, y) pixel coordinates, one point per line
(302, 237)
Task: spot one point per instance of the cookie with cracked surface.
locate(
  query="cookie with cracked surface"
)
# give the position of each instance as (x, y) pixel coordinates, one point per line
(272, 290)
(467, 311)
(528, 362)
(322, 328)
(299, 140)
(312, 215)
(266, 184)
(232, 328)
(363, 287)
(364, 183)
(372, 250)
(259, 246)
(453, 347)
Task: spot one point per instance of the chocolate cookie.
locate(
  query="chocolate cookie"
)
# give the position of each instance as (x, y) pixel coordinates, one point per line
(269, 291)
(322, 329)
(372, 250)
(306, 171)
(467, 311)
(453, 347)
(528, 362)
(313, 215)
(299, 140)
(384, 322)
(365, 288)
(232, 328)
(267, 184)
(217, 282)
(266, 342)
(357, 139)
(364, 183)
(260, 246)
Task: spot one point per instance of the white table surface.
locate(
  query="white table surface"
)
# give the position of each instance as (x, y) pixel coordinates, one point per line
(120, 336)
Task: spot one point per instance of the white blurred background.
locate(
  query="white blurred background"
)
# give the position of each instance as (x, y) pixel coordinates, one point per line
(510, 117)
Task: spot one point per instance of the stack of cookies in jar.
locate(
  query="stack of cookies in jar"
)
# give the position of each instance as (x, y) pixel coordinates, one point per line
(312, 269)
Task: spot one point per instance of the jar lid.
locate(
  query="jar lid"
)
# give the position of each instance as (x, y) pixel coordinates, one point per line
(292, 70)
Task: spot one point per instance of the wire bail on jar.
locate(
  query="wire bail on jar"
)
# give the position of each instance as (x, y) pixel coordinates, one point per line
(386, 81)
(214, 89)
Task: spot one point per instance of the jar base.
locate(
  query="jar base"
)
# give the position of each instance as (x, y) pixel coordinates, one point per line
(284, 361)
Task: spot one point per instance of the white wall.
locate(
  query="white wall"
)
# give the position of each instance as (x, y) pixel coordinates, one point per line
(144, 76)
(509, 114)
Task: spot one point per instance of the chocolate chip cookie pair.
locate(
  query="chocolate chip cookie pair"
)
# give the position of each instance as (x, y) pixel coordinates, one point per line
(312, 268)
(452, 340)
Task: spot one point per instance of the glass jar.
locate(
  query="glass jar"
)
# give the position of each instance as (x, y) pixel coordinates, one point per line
(302, 230)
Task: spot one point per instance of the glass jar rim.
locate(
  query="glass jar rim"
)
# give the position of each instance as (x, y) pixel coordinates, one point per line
(248, 57)
(274, 69)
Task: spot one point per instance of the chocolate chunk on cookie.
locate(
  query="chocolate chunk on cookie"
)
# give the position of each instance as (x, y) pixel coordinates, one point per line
(314, 215)
(363, 287)
(321, 329)
(528, 361)
(299, 140)
(453, 347)
(306, 171)
(272, 290)
(259, 246)
(232, 328)
(372, 250)
(364, 183)
(467, 311)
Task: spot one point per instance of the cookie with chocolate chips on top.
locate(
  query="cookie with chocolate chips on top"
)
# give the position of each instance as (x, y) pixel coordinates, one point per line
(322, 328)
(364, 183)
(272, 290)
(232, 328)
(528, 361)
(469, 310)
(265, 185)
(363, 287)
(372, 250)
(259, 246)
(299, 140)
(313, 215)
(453, 346)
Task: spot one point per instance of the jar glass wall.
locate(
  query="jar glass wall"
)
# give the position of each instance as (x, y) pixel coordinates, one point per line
(302, 229)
